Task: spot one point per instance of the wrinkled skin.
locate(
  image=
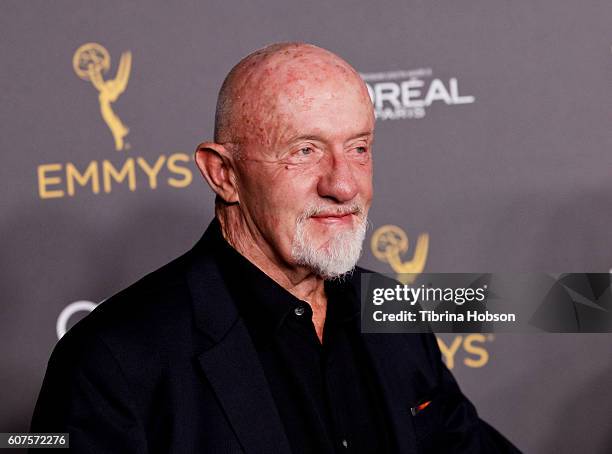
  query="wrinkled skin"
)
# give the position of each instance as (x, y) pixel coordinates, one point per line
(299, 133)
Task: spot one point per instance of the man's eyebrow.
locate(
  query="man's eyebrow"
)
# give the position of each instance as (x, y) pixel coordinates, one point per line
(322, 139)
(362, 134)
(307, 137)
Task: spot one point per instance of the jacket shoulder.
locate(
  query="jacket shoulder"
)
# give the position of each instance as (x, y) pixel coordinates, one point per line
(151, 311)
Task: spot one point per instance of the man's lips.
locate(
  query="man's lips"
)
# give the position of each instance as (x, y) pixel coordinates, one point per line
(333, 218)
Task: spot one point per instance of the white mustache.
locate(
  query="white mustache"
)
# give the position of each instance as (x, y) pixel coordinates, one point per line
(318, 210)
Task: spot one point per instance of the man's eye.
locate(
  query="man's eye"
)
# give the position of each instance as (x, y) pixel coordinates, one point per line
(304, 155)
(360, 151)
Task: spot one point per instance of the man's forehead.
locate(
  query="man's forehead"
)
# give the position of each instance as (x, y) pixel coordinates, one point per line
(326, 111)
(278, 87)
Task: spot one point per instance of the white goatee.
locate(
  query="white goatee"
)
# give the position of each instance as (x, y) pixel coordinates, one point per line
(340, 254)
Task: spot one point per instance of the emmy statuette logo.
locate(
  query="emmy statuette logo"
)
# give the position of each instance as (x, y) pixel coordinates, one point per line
(389, 243)
(120, 172)
(90, 61)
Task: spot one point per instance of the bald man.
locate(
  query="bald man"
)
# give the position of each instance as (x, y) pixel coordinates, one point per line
(251, 341)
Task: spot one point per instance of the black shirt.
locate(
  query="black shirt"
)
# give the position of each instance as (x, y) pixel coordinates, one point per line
(326, 393)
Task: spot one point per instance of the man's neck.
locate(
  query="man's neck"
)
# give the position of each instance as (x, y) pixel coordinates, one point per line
(300, 282)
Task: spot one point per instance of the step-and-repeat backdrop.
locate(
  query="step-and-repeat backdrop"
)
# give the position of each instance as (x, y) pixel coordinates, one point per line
(493, 154)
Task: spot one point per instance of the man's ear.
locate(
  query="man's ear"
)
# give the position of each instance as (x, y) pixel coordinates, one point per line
(213, 161)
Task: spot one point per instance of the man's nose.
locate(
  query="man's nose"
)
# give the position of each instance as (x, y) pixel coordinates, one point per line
(337, 181)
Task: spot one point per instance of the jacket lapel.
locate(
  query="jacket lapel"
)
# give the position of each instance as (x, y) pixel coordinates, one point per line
(388, 353)
(230, 363)
(234, 372)
(390, 358)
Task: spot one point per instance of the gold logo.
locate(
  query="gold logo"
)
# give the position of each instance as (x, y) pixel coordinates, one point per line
(121, 172)
(390, 242)
(90, 61)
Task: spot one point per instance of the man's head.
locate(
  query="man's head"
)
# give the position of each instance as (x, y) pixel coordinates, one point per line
(291, 161)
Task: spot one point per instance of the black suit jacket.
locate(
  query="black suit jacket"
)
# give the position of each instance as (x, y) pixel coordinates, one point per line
(168, 366)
